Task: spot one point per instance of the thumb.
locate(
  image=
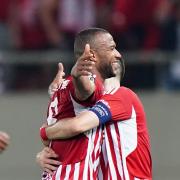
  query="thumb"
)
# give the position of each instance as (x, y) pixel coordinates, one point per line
(87, 49)
(60, 70)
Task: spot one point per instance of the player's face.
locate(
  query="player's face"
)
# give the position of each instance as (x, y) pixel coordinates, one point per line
(107, 56)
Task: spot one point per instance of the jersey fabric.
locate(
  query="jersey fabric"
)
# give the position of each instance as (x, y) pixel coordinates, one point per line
(126, 148)
(79, 155)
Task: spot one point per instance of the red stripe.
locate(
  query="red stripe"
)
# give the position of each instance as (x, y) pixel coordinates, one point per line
(54, 176)
(63, 172)
(81, 170)
(71, 174)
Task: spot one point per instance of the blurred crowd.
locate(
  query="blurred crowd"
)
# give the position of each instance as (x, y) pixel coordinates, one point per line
(135, 24)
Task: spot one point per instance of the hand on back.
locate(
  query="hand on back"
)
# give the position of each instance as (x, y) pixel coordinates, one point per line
(47, 160)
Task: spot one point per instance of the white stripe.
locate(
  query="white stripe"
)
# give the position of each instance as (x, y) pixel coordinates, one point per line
(111, 164)
(97, 146)
(136, 178)
(116, 149)
(87, 159)
(110, 91)
(76, 171)
(68, 169)
(100, 174)
(58, 173)
(53, 104)
(128, 138)
(104, 152)
(78, 108)
(114, 90)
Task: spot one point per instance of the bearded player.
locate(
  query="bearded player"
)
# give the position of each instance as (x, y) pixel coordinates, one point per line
(79, 156)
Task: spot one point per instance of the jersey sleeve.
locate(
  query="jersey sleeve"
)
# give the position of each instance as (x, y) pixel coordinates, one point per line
(112, 108)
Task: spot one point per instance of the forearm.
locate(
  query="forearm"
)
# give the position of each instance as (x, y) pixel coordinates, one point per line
(84, 87)
(70, 127)
(61, 130)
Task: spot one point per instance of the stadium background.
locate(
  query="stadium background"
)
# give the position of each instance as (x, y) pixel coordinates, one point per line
(152, 70)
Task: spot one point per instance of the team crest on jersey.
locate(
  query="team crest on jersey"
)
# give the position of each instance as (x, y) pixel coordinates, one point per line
(64, 84)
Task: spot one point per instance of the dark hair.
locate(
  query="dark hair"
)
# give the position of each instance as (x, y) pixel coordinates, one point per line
(86, 36)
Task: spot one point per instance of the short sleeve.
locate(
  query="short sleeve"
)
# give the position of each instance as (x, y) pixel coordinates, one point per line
(113, 108)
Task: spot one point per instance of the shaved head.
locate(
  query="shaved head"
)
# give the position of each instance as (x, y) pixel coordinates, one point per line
(87, 36)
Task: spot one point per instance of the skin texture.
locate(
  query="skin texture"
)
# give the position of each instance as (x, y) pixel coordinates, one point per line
(4, 141)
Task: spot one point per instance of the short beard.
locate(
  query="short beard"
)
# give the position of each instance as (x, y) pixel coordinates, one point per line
(106, 71)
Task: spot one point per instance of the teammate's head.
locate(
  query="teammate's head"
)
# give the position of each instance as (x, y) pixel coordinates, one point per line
(119, 69)
(103, 48)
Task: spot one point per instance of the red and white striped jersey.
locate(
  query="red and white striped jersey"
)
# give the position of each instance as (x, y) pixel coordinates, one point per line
(126, 147)
(79, 155)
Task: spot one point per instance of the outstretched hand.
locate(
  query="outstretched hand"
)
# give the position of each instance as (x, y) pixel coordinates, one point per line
(85, 63)
(56, 83)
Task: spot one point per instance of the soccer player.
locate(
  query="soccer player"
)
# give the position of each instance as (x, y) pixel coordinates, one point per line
(126, 152)
(80, 155)
(4, 141)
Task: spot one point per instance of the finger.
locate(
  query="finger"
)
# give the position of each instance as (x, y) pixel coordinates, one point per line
(48, 171)
(48, 149)
(51, 167)
(87, 49)
(61, 69)
(84, 73)
(51, 156)
(2, 145)
(87, 63)
(60, 72)
(49, 152)
(4, 138)
(52, 162)
(88, 66)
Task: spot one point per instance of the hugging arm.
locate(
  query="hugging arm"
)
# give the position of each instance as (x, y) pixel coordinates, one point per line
(66, 128)
(69, 127)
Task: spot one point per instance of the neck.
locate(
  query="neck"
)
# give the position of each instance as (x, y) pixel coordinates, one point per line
(111, 83)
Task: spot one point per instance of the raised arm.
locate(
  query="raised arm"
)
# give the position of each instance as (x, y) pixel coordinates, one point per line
(82, 75)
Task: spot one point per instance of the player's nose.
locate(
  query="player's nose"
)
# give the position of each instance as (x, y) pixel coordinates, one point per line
(118, 54)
